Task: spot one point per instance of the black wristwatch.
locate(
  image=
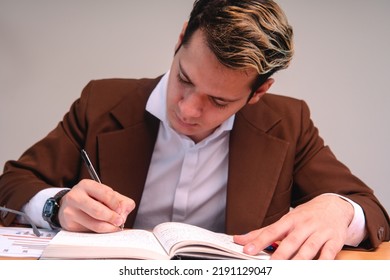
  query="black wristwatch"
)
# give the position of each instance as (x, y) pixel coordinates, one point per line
(51, 208)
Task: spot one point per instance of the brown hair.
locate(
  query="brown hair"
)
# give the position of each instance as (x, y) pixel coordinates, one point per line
(251, 34)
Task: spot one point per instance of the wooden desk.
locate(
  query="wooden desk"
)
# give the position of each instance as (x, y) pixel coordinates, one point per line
(381, 253)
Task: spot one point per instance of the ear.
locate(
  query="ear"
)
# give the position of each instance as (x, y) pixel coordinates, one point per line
(261, 91)
(179, 41)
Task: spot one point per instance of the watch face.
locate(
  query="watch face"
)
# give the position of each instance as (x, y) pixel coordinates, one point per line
(50, 208)
(50, 212)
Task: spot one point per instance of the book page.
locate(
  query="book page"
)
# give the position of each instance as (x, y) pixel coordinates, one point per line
(119, 244)
(172, 234)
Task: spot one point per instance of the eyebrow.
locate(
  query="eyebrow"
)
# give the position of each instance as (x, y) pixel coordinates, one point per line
(184, 73)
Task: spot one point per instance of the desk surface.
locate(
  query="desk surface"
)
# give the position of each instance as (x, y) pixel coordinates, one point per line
(381, 253)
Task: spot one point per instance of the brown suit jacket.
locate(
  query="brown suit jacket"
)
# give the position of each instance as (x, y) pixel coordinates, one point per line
(277, 160)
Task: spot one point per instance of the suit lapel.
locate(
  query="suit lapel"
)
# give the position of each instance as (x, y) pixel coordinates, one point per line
(125, 154)
(255, 163)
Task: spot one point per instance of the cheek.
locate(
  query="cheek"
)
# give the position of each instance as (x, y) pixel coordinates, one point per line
(213, 117)
(174, 93)
(171, 99)
(217, 116)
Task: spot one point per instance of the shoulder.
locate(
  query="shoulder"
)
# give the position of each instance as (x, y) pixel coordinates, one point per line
(283, 104)
(103, 103)
(109, 92)
(122, 84)
(100, 97)
(276, 110)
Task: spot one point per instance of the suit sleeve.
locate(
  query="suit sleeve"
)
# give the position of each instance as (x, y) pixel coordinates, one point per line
(317, 171)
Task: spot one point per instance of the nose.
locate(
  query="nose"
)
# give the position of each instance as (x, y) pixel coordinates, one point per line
(191, 105)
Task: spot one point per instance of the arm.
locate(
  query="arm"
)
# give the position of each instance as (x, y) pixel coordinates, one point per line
(316, 171)
(104, 210)
(55, 162)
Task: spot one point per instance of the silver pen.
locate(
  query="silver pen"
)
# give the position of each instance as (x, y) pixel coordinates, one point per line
(92, 172)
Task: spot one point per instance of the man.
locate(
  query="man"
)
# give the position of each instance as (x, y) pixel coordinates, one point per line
(203, 144)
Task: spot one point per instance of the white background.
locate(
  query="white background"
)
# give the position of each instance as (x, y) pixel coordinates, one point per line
(110, 269)
(49, 50)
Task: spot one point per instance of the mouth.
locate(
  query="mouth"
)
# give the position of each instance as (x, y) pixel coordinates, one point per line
(184, 123)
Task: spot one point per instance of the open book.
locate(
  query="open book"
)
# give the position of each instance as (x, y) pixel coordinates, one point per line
(166, 241)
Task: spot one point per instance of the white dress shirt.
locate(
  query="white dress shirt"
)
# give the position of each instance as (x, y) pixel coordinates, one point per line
(186, 182)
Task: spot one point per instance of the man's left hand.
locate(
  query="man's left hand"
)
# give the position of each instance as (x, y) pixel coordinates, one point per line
(316, 229)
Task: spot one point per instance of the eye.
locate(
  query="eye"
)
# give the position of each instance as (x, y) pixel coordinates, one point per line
(219, 103)
(183, 80)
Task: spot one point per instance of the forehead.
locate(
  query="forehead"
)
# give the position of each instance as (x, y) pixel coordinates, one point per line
(207, 74)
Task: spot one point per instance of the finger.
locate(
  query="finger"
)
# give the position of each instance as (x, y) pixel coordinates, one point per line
(266, 236)
(126, 205)
(247, 238)
(323, 244)
(100, 212)
(117, 202)
(310, 248)
(83, 198)
(291, 244)
(330, 250)
(83, 222)
(102, 193)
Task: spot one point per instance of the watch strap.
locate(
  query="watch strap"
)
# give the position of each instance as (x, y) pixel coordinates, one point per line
(60, 194)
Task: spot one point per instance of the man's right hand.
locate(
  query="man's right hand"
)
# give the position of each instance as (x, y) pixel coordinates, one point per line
(91, 206)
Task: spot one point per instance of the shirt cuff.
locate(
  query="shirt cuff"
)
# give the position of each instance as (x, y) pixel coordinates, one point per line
(356, 231)
(34, 207)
